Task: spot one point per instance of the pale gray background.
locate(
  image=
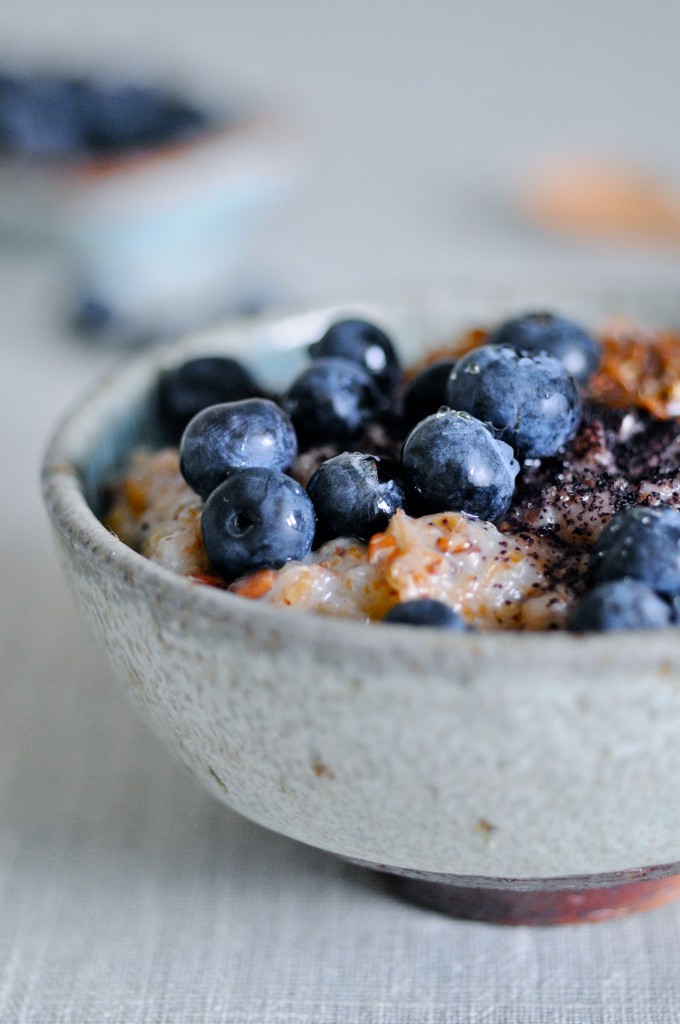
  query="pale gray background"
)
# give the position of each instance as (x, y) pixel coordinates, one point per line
(126, 894)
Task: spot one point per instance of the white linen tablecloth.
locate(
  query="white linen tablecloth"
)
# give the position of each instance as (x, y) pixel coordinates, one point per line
(128, 895)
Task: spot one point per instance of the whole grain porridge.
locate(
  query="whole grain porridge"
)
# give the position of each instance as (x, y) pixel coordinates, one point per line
(525, 476)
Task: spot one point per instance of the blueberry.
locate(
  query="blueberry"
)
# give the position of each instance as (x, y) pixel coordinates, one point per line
(350, 499)
(427, 392)
(51, 115)
(235, 435)
(257, 519)
(567, 341)
(331, 401)
(124, 116)
(93, 318)
(425, 612)
(185, 390)
(453, 463)
(530, 399)
(39, 116)
(622, 604)
(365, 344)
(643, 544)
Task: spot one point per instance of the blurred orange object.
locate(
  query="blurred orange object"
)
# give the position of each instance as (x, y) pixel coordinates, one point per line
(602, 200)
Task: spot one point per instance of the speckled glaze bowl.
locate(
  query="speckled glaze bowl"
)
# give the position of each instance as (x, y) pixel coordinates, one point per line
(506, 776)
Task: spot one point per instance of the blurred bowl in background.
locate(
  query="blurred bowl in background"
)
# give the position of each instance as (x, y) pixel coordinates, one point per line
(600, 200)
(150, 230)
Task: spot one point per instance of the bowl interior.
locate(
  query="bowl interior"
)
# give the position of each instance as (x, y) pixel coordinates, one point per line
(274, 348)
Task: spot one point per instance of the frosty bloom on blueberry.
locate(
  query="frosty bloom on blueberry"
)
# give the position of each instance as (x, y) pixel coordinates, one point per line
(235, 435)
(622, 604)
(365, 344)
(187, 389)
(641, 544)
(563, 339)
(350, 499)
(332, 400)
(530, 399)
(257, 519)
(452, 462)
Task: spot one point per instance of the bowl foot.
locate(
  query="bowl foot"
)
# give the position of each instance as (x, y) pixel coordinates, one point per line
(538, 907)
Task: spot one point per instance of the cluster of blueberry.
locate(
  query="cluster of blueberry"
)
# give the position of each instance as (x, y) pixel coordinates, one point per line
(635, 569)
(464, 424)
(56, 116)
(235, 452)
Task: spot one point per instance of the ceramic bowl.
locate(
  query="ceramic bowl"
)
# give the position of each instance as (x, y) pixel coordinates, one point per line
(529, 766)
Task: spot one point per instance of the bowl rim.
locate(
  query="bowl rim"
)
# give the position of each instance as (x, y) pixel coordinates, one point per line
(73, 517)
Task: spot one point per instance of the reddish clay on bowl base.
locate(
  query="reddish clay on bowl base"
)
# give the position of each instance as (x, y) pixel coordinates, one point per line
(539, 906)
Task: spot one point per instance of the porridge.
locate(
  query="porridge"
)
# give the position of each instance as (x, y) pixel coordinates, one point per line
(483, 479)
